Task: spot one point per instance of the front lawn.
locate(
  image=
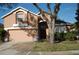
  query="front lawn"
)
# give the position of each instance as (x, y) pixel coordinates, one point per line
(1, 42)
(63, 46)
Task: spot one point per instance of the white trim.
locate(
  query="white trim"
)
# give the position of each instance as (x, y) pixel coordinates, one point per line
(29, 27)
(15, 25)
(38, 13)
(41, 21)
(18, 25)
(20, 8)
(8, 28)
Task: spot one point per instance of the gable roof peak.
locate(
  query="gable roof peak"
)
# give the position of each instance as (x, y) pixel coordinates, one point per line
(19, 7)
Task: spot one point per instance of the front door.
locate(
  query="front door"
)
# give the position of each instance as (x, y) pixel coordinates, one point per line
(42, 25)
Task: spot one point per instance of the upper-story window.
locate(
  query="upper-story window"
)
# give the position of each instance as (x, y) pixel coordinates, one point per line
(21, 18)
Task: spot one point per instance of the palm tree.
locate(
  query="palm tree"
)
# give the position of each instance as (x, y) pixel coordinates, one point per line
(53, 17)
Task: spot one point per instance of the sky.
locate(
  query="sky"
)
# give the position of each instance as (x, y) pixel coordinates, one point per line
(66, 13)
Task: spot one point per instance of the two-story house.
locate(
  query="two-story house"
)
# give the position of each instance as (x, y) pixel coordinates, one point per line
(21, 24)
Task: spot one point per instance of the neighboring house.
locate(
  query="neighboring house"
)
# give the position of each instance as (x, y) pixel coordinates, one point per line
(62, 26)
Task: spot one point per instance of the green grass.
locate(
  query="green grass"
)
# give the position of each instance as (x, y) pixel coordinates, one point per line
(63, 46)
(0, 42)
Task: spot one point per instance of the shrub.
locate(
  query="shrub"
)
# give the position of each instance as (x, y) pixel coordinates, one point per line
(70, 36)
(2, 34)
(59, 36)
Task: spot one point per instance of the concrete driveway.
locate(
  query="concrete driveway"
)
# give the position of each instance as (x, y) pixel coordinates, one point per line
(15, 48)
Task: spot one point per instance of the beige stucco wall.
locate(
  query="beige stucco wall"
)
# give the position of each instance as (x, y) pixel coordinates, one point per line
(9, 20)
(20, 36)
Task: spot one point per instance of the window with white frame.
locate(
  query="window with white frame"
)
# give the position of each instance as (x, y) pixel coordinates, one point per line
(20, 16)
(21, 19)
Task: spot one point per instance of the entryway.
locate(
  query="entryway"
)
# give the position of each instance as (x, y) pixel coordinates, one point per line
(42, 26)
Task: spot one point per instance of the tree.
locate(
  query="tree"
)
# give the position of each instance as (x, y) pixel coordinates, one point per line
(53, 17)
(77, 17)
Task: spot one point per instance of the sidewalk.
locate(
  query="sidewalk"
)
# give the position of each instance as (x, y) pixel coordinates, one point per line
(73, 52)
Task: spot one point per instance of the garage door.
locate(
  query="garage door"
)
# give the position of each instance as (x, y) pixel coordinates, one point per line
(19, 36)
